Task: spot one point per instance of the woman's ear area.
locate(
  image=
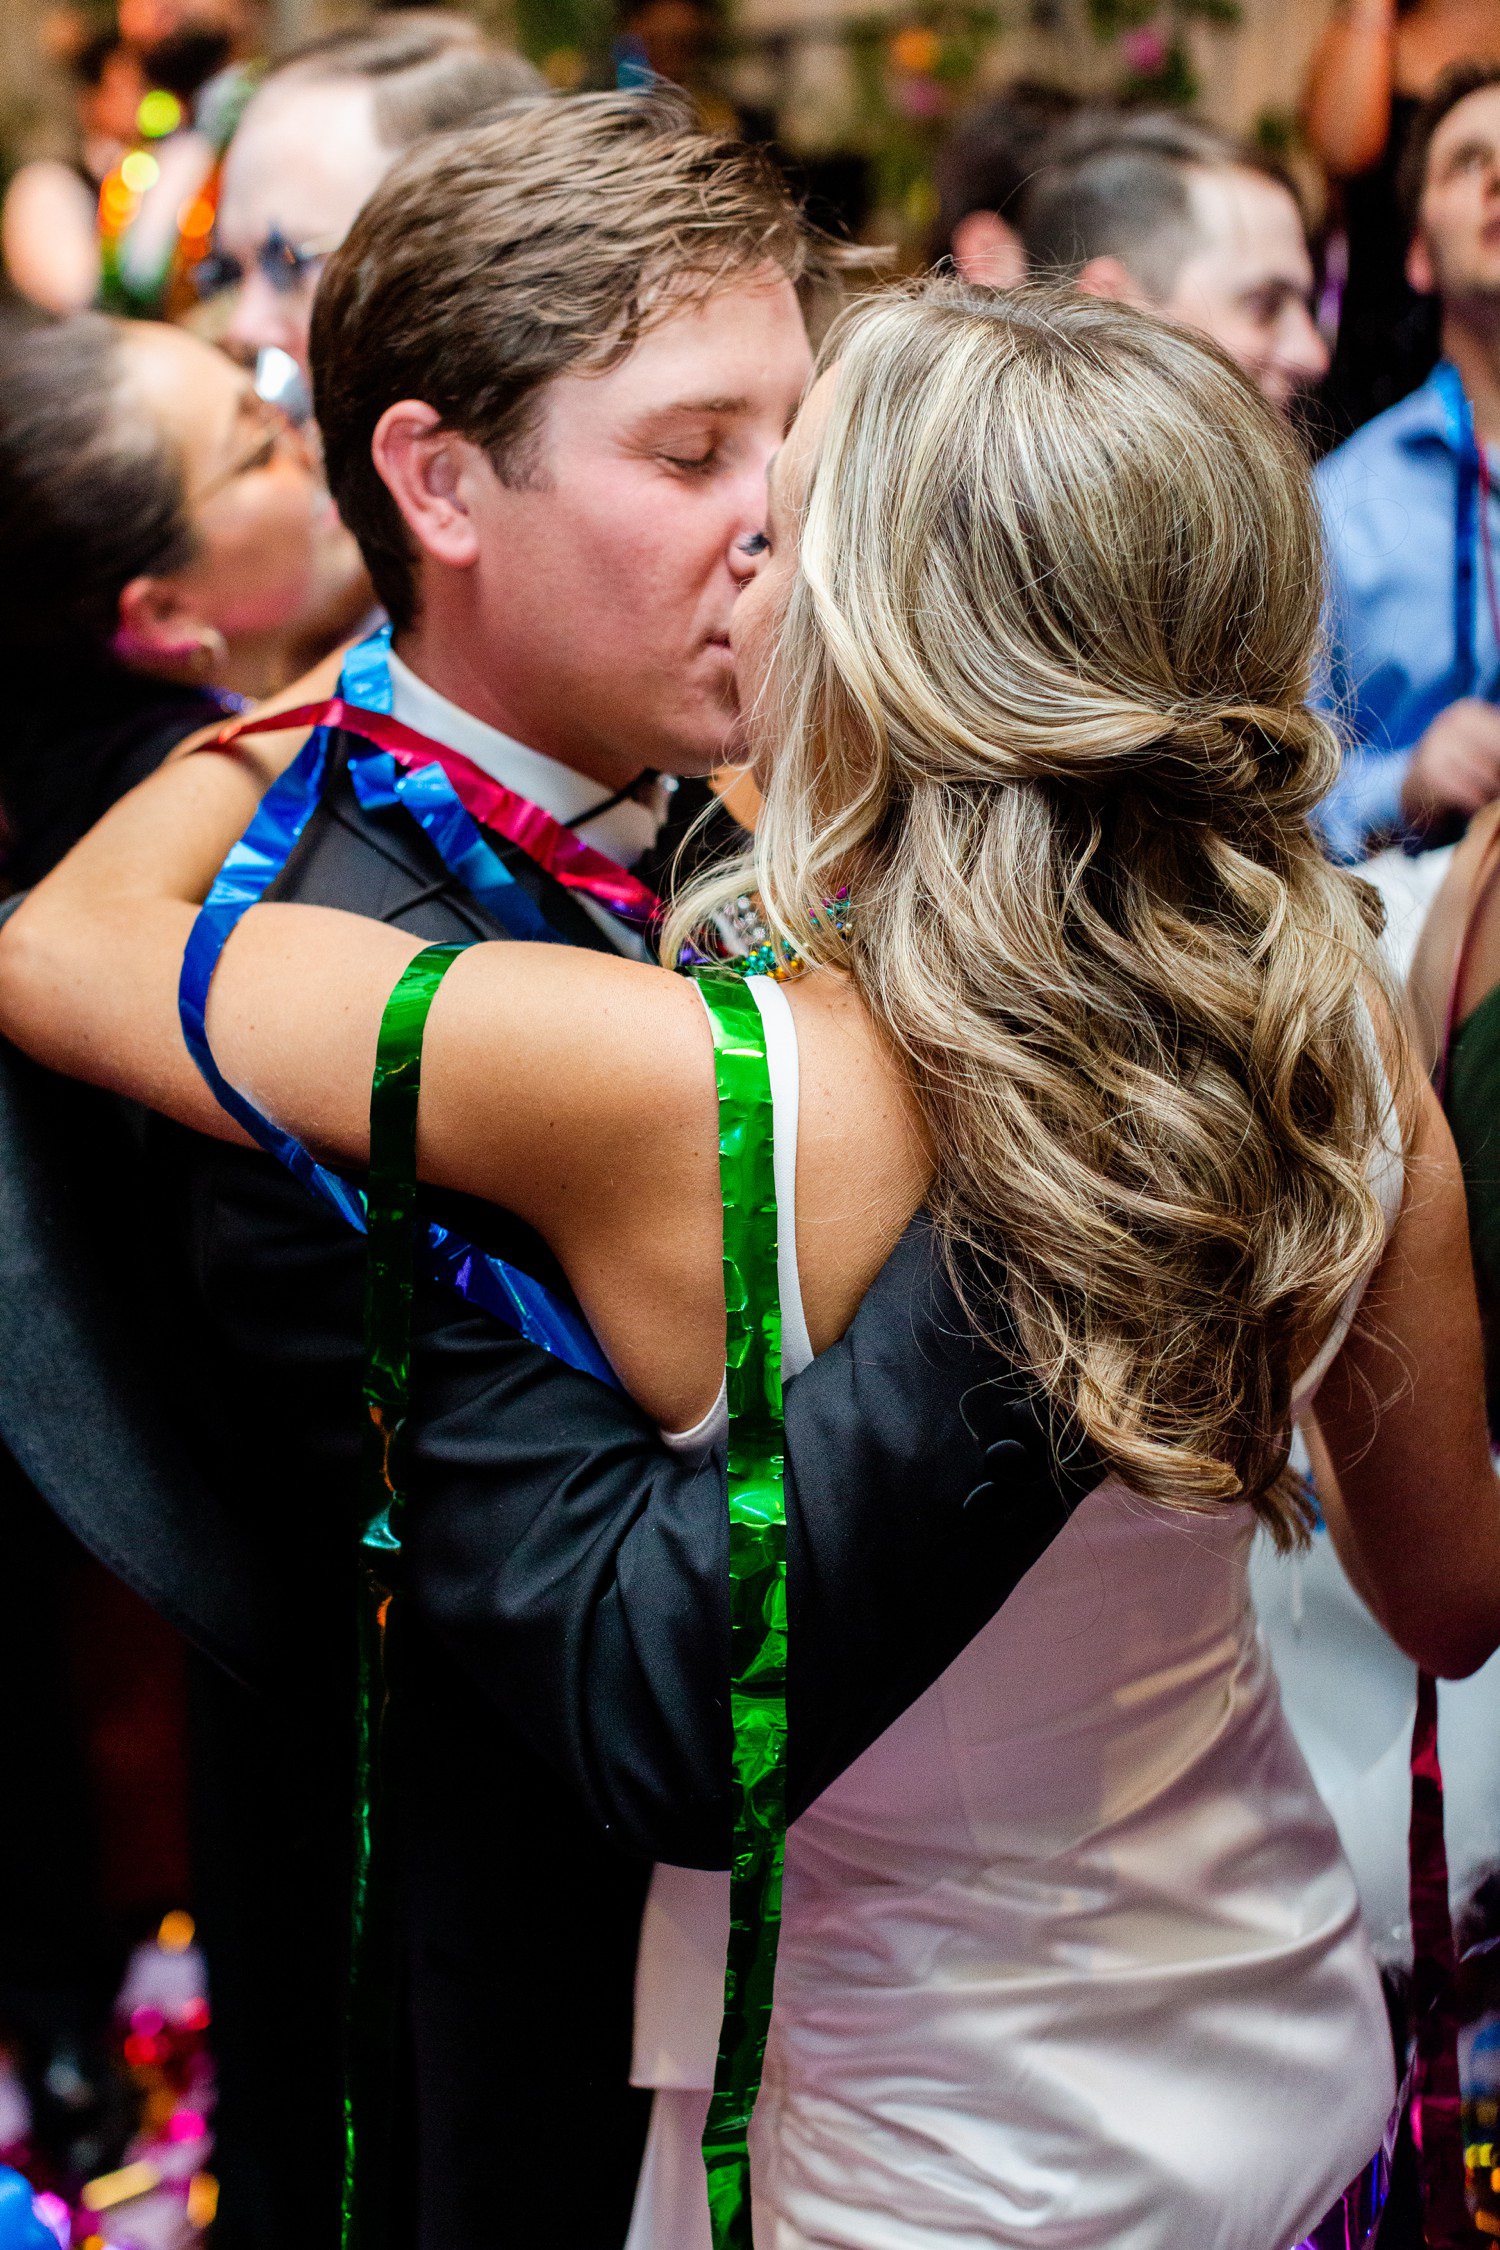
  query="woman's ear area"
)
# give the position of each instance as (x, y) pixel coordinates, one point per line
(160, 629)
(426, 467)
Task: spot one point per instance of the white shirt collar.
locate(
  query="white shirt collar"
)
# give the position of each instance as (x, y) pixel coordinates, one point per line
(623, 833)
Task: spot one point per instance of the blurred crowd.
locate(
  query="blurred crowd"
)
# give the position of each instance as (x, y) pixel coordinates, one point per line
(207, 184)
(172, 554)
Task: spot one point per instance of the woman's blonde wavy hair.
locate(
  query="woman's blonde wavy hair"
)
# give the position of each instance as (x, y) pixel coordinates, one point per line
(1039, 698)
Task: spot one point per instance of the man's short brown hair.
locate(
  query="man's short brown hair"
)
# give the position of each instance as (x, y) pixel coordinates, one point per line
(1456, 85)
(492, 259)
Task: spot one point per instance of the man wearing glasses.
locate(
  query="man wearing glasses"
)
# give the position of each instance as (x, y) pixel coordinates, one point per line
(327, 124)
(322, 132)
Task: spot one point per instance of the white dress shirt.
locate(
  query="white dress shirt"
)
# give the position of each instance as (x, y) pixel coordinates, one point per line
(624, 833)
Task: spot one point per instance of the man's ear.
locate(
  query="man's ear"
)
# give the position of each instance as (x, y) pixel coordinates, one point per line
(427, 468)
(986, 250)
(161, 630)
(1419, 267)
(1110, 277)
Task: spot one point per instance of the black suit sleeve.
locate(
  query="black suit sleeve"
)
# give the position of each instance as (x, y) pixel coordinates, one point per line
(574, 1567)
(578, 1569)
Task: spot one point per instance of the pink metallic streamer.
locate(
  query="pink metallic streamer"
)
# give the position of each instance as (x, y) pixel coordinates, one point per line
(565, 856)
(1436, 2109)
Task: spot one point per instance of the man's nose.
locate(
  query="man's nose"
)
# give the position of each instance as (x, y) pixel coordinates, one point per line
(1303, 350)
(748, 505)
(260, 318)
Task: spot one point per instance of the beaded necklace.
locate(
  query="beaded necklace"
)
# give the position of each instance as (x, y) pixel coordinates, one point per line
(757, 953)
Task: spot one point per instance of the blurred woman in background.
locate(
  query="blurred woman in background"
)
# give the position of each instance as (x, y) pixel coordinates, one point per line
(49, 226)
(167, 533)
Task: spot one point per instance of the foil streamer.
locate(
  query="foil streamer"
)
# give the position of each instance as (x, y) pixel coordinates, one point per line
(757, 1573)
(390, 1261)
(570, 861)
(1436, 2105)
(390, 1275)
(250, 868)
(427, 796)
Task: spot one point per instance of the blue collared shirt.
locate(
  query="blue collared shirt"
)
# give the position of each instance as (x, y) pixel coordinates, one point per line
(1389, 501)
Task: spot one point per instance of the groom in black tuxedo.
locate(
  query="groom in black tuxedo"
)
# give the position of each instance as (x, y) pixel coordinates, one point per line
(551, 364)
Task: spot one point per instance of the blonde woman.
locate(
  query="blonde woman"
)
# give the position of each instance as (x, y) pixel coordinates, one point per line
(1070, 1955)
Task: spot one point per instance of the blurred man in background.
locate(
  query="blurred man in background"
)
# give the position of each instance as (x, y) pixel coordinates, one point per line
(1166, 213)
(325, 127)
(1411, 522)
(322, 132)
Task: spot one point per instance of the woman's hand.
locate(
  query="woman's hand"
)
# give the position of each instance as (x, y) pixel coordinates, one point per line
(1346, 105)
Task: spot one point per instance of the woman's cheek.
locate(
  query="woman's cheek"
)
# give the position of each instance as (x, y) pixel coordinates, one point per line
(265, 559)
(747, 641)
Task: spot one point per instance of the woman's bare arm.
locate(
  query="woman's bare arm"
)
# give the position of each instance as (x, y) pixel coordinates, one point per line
(49, 235)
(1346, 107)
(574, 1088)
(1431, 979)
(89, 962)
(1415, 1506)
(89, 968)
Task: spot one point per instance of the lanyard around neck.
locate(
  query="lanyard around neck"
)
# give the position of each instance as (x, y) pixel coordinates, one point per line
(1473, 535)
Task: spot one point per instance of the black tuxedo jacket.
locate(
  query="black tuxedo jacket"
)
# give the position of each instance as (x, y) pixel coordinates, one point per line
(562, 1650)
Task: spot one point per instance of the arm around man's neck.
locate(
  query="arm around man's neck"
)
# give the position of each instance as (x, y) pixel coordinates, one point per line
(89, 962)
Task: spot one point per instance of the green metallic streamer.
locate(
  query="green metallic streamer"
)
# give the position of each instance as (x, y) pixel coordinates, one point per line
(757, 1564)
(391, 1210)
(757, 1574)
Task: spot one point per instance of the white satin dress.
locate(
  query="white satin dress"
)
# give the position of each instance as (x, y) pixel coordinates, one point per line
(1071, 1958)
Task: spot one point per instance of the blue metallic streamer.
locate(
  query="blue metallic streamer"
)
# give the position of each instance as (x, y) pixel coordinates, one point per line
(250, 868)
(366, 675)
(430, 798)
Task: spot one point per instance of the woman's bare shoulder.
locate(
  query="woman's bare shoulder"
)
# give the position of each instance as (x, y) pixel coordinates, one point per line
(270, 753)
(1431, 979)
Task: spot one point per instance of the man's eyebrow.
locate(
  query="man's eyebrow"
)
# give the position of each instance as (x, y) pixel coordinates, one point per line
(1280, 285)
(1460, 153)
(689, 406)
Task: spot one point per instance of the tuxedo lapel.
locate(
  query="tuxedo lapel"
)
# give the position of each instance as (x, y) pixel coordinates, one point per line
(380, 855)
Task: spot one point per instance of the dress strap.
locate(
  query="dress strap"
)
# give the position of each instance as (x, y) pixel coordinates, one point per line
(757, 1573)
(391, 1241)
(780, 1027)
